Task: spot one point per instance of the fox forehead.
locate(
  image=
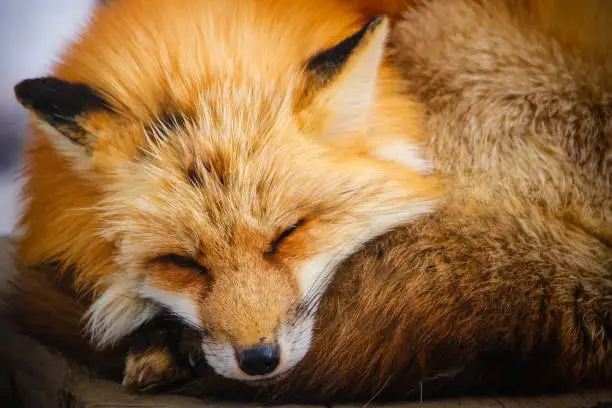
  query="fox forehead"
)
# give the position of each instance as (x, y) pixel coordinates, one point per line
(237, 150)
(221, 195)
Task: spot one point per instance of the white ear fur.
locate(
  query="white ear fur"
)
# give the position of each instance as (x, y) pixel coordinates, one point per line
(348, 101)
(352, 100)
(77, 154)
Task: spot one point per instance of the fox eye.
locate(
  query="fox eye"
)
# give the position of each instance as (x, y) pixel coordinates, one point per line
(275, 244)
(183, 262)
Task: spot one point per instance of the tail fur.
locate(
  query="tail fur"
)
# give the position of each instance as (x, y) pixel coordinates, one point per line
(519, 100)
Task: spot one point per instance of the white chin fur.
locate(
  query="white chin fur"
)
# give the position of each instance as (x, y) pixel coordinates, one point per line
(181, 306)
(125, 305)
(293, 342)
(117, 312)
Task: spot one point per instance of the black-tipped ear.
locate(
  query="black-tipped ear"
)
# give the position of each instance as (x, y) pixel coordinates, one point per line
(328, 63)
(342, 79)
(62, 105)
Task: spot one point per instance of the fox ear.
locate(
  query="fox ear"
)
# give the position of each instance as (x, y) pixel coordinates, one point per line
(342, 79)
(61, 107)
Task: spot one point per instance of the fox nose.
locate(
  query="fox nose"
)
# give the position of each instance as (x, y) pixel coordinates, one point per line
(259, 360)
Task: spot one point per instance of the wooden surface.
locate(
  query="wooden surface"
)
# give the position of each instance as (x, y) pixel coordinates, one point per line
(98, 394)
(33, 377)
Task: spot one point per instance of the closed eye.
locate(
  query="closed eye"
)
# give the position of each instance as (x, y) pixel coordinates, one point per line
(279, 240)
(181, 261)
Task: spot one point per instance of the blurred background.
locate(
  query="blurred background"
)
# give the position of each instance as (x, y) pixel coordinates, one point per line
(32, 32)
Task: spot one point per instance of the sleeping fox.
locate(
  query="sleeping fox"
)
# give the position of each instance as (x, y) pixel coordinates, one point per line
(307, 201)
(200, 158)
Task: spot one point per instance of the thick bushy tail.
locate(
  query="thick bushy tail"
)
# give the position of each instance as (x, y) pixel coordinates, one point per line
(518, 93)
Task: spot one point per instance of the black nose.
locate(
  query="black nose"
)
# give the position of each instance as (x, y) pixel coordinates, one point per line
(259, 360)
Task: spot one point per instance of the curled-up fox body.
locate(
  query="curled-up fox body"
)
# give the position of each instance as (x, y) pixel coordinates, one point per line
(305, 201)
(206, 175)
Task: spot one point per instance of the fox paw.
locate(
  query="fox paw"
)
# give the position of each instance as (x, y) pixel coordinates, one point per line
(163, 354)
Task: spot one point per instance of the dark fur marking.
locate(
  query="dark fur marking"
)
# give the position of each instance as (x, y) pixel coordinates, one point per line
(212, 170)
(328, 63)
(221, 179)
(165, 124)
(208, 167)
(60, 103)
(195, 177)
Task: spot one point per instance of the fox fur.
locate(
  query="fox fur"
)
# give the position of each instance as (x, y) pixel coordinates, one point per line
(506, 286)
(173, 170)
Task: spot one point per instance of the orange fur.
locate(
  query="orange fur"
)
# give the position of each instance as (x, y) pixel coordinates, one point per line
(506, 287)
(218, 136)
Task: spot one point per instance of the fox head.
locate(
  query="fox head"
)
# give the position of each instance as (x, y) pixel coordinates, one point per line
(233, 197)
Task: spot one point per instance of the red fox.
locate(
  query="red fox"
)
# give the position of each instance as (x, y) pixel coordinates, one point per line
(263, 191)
(202, 158)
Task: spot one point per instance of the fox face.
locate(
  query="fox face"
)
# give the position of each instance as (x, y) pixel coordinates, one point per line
(232, 211)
